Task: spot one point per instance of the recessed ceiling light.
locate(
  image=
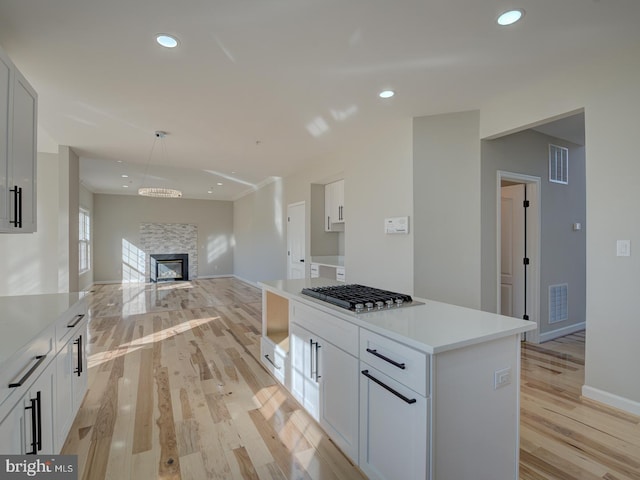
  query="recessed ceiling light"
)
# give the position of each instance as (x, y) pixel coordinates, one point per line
(167, 41)
(510, 17)
(209, 191)
(386, 94)
(219, 184)
(124, 176)
(125, 186)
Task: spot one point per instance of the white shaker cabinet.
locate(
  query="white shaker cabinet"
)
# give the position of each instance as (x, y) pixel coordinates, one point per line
(324, 373)
(334, 206)
(18, 127)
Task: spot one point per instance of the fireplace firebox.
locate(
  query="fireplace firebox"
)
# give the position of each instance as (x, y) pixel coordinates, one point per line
(167, 267)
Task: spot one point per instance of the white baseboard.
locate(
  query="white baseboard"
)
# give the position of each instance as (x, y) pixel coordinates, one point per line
(224, 275)
(612, 400)
(561, 332)
(253, 284)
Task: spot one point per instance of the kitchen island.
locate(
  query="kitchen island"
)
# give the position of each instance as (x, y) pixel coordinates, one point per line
(429, 391)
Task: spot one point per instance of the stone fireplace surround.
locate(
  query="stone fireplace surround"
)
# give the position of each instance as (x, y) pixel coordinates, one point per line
(167, 238)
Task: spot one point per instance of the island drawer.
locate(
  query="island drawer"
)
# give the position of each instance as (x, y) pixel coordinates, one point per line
(397, 360)
(339, 332)
(69, 322)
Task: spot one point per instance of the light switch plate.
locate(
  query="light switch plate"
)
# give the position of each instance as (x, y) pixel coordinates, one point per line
(623, 248)
(396, 225)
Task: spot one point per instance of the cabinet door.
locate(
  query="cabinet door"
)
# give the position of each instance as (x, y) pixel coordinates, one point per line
(38, 404)
(80, 369)
(12, 432)
(5, 73)
(393, 430)
(64, 393)
(303, 349)
(329, 217)
(22, 163)
(338, 374)
(338, 201)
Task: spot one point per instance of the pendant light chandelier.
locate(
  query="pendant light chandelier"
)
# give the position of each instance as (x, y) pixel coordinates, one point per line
(158, 192)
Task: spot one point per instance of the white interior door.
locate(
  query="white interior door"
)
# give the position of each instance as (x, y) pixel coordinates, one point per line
(296, 240)
(512, 241)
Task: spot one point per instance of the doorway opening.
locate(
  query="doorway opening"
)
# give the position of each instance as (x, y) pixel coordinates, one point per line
(518, 248)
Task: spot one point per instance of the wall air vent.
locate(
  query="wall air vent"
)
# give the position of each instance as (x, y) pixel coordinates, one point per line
(558, 303)
(558, 164)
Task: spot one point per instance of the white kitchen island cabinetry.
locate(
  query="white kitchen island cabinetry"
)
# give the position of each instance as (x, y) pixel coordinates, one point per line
(39, 348)
(324, 373)
(430, 403)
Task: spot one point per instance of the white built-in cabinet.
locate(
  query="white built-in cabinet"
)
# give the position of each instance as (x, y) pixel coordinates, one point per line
(18, 128)
(324, 373)
(42, 386)
(334, 206)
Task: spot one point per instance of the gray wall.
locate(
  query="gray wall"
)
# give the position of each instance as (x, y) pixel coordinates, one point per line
(260, 234)
(118, 217)
(446, 186)
(562, 250)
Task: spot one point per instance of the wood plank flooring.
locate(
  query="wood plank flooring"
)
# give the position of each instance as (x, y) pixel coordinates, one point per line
(177, 391)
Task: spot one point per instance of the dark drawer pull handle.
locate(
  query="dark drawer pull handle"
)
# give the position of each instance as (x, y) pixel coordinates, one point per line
(387, 359)
(40, 359)
(388, 388)
(34, 426)
(75, 321)
(272, 362)
(78, 342)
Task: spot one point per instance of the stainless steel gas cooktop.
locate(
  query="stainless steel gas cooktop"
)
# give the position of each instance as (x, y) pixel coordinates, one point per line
(360, 298)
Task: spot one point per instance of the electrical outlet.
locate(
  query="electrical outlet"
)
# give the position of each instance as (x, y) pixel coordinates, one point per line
(501, 378)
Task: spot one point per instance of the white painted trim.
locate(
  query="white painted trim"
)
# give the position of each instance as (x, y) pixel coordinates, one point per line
(561, 332)
(534, 190)
(224, 275)
(611, 399)
(249, 282)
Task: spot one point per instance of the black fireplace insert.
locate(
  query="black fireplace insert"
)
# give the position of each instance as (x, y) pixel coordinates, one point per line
(168, 267)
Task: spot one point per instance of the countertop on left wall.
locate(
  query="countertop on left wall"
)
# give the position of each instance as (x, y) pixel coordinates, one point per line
(23, 317)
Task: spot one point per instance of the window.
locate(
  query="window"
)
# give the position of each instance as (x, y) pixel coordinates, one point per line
(84, 256)
(558, 164)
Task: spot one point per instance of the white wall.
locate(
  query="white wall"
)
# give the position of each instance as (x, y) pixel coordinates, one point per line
(377, 171)
(29, 261)
(446, 184)
(608, 91)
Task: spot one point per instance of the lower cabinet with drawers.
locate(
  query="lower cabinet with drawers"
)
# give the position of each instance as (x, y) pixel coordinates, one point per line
(43, 384)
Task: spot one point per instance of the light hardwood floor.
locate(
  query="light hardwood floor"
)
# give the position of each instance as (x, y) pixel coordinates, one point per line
(177, 391)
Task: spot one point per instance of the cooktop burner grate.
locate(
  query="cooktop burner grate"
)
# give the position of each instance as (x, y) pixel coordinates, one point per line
(359, 298)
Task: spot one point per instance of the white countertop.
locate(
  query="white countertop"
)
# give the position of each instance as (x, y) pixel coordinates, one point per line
(329, 260)
(434, 327)
(24, 317)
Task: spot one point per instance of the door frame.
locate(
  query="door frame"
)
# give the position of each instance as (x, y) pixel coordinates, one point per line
(297, 204)
(533, 193)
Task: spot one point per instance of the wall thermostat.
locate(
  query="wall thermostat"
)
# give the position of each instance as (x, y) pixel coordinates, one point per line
(396, 225)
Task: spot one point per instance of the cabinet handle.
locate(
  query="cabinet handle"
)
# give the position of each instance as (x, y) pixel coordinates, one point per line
(18, 383)
(328, 223)
(388, 388)
(75, 321)
(17, 206)
(272, 362)
(317, 363)
(34, 426)
(78, 370)
(387, 359)
(311, 358)
(39, 417)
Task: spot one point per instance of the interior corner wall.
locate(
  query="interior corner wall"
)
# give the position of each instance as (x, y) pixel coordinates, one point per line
(116, 232)
(446, 198)
(607, 89)
(563, 258)
(30, 260)
(68, 208)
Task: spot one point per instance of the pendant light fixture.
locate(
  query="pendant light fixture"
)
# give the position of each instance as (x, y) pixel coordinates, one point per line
(158, 192)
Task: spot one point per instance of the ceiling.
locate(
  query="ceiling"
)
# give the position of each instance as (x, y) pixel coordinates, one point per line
(262, 88)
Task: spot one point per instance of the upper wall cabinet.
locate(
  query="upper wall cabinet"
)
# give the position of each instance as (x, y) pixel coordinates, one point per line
(18, 127)
(334, 206)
